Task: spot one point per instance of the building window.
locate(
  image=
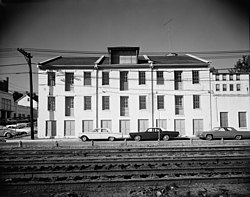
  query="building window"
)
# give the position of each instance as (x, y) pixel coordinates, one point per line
(160, 102)
(105, 78)
(231, 77)
(162, 123)
(105, 103)
(69, 81)
(124, 110)
(224, 119)
(142, 125)
(195, 76)
(87, 102)
(69, 106)
(197, 126)
(142, 77)
(177, 80)
(179, 110)
(238, 87)
(124, 126)
(179, 125)
(242, 119)
(196, 101)
(224, 77)
(224, 87)
(231, 87)
(87, 125)
(237, 77)
(106, 124)
(69, 128)
(87, 78)
(123, 80)
(142, 102)
(51, 103)
(6, 104)
(217, 87)
(128, 59)
(51, 78)
(217, 77)
(160, 77)
(50, 128)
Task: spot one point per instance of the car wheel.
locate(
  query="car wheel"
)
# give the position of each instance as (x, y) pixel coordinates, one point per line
(84, 138)
(238, 137)
(111, 139)
(209, 137)
(166, 137)
(137, 138)
(8, 135)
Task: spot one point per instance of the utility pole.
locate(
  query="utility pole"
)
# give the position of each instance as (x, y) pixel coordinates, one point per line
(28, 57)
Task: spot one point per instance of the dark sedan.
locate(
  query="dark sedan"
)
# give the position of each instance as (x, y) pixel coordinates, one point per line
(225, 133)
(154, 134)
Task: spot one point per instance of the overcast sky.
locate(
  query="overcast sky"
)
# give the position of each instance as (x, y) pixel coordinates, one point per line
(94, 25)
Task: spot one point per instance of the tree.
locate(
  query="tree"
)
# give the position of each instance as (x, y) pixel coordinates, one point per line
(243, 65)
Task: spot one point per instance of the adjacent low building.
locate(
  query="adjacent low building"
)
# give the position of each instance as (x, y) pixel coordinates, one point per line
(125, 91)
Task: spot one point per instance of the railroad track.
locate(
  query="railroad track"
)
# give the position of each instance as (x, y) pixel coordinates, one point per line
(126, 167)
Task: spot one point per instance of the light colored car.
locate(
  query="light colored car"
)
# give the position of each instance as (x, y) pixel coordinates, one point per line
(4, 131)
(225, 133)
(101, 133)
(20, 128)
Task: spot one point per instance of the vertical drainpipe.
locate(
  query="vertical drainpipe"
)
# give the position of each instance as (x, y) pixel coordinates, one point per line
(97, 95)
(152, 91)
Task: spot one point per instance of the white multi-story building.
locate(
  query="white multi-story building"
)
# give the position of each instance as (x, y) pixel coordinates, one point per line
(125, 92)
(231, 99)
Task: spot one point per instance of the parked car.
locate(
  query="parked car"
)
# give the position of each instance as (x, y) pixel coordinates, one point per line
(20, 128)
(4, 131)
(154, 134)
(101, 133)
(225, 133)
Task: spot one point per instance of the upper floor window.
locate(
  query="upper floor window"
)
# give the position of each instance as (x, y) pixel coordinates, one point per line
(224, 77)
(6, 104)
(195, 76)
(160, 77)
(124, 80)
(217, 77)
(179, 110)
(217, 87)
(69, 81)
(124, 110)
(87, 78)
(224, 87)
(231, 77)
(128, 59)
(87, 102)
(238, 87)
(142, 102)
(51, 78)
(177, 80)
(160, 102)
(51, 103)
(69, 106)
(105, 103)
(237, 77)
(105, 78)
(142, 77)
(231, 87)
(196, 101)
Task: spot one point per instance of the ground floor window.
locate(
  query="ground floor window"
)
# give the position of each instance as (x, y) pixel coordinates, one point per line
(125, 126)
(50, 128)
(162, 123)
(179, 125)
(69, 128)
(87, 125)
(142, 125)
(106, 124)
(242, 119)
(224, 119)
(197, 126)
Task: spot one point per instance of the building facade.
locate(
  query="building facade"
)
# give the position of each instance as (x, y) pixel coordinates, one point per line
(125, 92)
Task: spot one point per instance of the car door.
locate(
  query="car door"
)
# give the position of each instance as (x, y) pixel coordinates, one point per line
(221, 133)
